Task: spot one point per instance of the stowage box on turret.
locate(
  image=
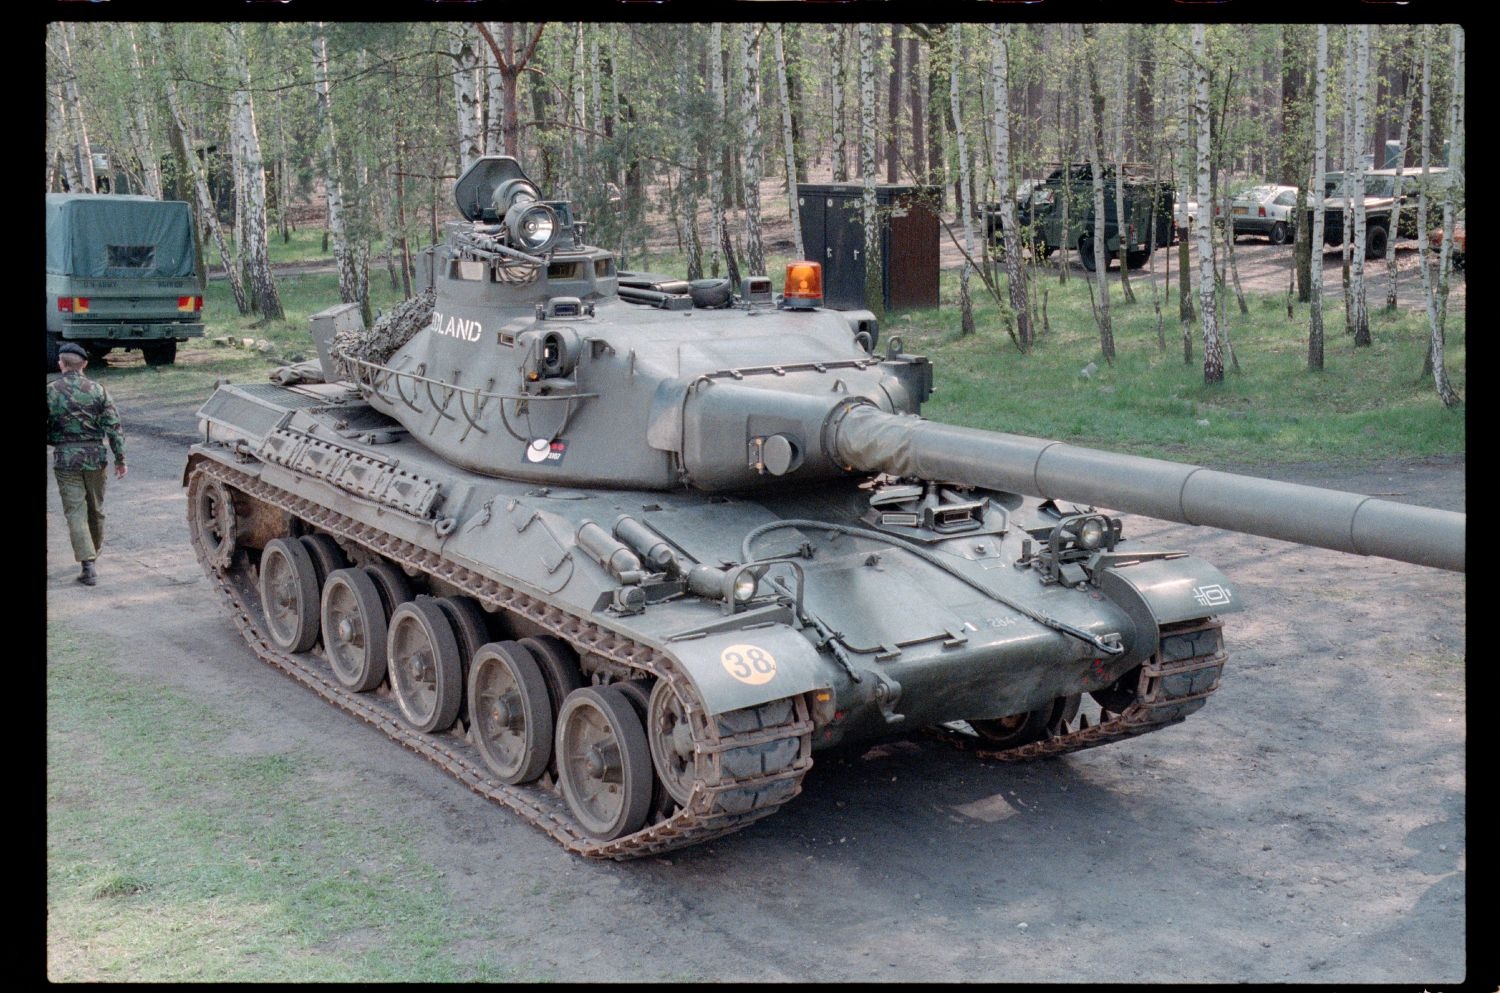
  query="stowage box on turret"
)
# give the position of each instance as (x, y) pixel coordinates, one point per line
(622, 552)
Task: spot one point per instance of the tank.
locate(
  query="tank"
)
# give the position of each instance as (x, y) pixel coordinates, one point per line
(623, 553)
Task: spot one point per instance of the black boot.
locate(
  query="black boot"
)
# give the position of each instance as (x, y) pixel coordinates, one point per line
(87, 577)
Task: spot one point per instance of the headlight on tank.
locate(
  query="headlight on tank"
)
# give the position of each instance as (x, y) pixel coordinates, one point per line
(1091, 533)
(744, 587)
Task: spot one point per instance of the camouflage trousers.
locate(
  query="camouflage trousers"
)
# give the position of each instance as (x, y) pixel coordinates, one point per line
(82, 492)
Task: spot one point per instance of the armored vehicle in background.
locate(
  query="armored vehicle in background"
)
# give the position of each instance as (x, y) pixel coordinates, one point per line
(121, 273)
(1058, 213)
(622, 552)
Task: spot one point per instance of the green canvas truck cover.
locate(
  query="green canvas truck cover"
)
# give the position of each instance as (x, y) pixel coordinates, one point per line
(90, 234)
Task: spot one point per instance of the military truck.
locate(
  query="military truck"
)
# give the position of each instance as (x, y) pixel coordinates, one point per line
(1041, 214)
(121, 273)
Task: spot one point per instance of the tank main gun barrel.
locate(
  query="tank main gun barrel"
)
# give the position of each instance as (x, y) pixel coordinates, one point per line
(866, 438)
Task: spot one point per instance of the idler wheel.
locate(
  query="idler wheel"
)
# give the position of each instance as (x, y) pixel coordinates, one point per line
(212, 511)
(422, 659)
(603, 762)
(354, 629)
(1023, 729)
(512, 717)
(289, 594)
(671, 739)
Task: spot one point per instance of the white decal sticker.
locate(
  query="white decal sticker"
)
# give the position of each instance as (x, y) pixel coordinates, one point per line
(1211, 596)
(749, 664)
(456, 327)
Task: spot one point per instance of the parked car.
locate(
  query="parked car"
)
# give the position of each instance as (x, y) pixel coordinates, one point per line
(1456, 254)
(1266, 210)
(1382, 183)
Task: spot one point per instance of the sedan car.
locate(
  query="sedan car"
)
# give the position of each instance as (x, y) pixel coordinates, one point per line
(1266, 210)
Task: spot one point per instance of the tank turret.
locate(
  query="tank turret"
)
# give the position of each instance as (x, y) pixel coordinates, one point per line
(619, 550)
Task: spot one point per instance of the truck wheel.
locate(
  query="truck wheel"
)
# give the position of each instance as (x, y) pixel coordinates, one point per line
(1375, 240)
(54, 342)
(1278, 233)
(1086, 253)
(163, 353)
(97, 352)
(1137, 259)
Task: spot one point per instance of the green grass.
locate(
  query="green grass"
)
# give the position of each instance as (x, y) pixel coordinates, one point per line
(171, 858)
(1365, 404)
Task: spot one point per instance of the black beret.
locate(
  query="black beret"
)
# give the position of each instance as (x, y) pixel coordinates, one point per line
(71, 349)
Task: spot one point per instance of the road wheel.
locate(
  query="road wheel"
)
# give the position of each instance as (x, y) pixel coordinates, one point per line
(161, 353)
(289, 594)
(1023, 729)
(327, 556)
(603, 762)
(422, 659)
(392, 584)
(1279, 233)
(1375, 240)
(354, 629)
(512, 715)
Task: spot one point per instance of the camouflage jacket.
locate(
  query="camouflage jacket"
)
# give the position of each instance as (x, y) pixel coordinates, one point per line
(81, 419)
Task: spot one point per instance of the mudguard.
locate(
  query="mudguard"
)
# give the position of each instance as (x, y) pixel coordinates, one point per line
(1165, 589)
(746, 667)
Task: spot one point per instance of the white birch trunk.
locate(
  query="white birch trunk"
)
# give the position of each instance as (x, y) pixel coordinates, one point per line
(1213, 353)
(1437, 309)
(715, 158)
(1320, 157)
(786, 140)
(254, 248)
(140, 128)
(1093, 128)
(465, 94)
(494, 104)
(59, 145)
(874, 296)
(1185, 150)
(1357, 263)
(755, 256)
(207, 211)
(1015, 271)
(580, 103)
(328, 163)
(76, 123)
(1122, 221)
(1403, 137)
(837, 73)
(1346, 221)
(965, 208)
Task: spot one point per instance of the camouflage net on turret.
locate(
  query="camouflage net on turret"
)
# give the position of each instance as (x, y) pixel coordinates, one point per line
(390, 331)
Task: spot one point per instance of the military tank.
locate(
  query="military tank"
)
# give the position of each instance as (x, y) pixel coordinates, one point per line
(622, 552)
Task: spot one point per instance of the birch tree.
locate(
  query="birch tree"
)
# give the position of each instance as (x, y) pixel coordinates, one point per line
(1357, 264)
(1435, 314)
(715, 159)
(1346, 222)
(874, 297)
(1093, 104)
(74, 121)
(510, 66)
(254, 250)
(328, 162)
(837, 74)
(140, 128)
(1122, 76)
(1213, 355)
(1403, 137)
(755, 255)
(465, 95)
(1185, 312)
(786, 139)
(1015, 271)
(1315, 194)
(965, 208)
(208, 216)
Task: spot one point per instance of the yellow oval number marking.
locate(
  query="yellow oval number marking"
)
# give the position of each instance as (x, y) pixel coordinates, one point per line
(749, 664)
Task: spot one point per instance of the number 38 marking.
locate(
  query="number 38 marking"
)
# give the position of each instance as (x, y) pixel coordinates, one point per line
(749, 664)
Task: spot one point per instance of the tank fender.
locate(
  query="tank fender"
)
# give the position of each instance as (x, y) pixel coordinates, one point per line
(1164, 589)
(747, 667)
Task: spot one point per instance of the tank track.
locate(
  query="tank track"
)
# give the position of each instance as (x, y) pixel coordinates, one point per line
(757, 757)
(1173, 683)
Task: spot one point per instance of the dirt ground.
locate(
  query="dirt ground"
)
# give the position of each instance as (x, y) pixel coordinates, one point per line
(1307, 826)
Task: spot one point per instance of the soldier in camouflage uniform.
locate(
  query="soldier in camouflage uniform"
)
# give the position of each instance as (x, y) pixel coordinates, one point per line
(81, 420)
